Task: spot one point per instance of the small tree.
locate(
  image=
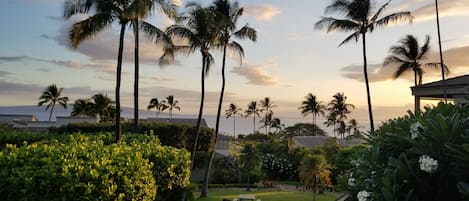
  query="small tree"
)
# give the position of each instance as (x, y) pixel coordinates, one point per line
(314, 172)
(50, 96)
(249, 160)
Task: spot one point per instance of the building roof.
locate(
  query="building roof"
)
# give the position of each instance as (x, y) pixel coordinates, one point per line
(456, 87)
(186, 121)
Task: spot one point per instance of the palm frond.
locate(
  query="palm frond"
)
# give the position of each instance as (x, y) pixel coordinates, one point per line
(333, 24)
(236, 48)
(425, 48)
(355, 36)
(72, 7)
(401, 51)
(338, 6)
(401, 69)
(246, 32)
(438, 65)
(393, 59)
(155, 34)
(394, 18)
(379, 11)
(89, 27)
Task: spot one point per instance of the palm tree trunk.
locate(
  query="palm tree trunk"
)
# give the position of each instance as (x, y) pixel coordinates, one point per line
(254, 124)
(445, 94)
(217, 124)
(416, 98)
(136, 76)
(51, 110)
(314, 123)
(365, 72)
(314, 189)
(249, 181)
(118, 82)
(204, 192)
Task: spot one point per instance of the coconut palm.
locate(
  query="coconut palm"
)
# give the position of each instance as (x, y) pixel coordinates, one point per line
(353, 129)
(359, 19)
(409, 56)
(249, 159)
(104, 13)
(50, 96)
(267, 121)
(277, 124)
(159, 106)
(253, 110)
(171, 104)
(83, 108)
(199, 32)
(103, 107)
(338, 109)
(312, 106)
(141, 10)
(266, 107)
(442, 64)
(226, 18)
(232, 111)
(314, 171)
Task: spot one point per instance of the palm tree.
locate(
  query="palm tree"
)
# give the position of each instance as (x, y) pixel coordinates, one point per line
(266, 106)
(338, 109)
(226, 18)
(254, 111)
(172, 104)
(104, 13)
(50, 96)
(267, 121)
(199, 32)
(103, 107)
(409, 55)
(442, 64)
(312, 106)
(232, 111)
(141, 10)
(159, 106)
(353, 129)
(314, 171)
(359, 20)
(249, 159)
(83, 108)
(277, 124)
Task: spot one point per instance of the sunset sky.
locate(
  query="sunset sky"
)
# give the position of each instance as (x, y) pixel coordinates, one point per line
(289, 60)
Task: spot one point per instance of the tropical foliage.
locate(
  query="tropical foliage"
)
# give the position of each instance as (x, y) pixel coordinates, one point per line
(51, 96)
(99, 105)
(314, 172)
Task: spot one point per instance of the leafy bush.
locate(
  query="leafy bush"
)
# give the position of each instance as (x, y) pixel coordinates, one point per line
(277, 167)
(175, 135)
(225, 170)
(417, 157)
(81, 168)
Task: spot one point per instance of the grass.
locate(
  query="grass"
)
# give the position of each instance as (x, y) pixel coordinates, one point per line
(264, 195)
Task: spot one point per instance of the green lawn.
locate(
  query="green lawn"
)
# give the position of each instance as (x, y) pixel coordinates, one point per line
(264, 195)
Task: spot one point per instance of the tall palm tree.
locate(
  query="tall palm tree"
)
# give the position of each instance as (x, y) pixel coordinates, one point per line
(141, 10)
(267, 121)
(266, 106)
(50, 96)
(83, 108)
(353, 129)
(253, 110)
(249, 159)
(226, 18)
(104, 107)
(277, 124)
(312, 106)
(172, 104)
(104, 13)
(314, 171)
(199, 32)
(442, 64)
(409, 56)
(159, 106)
(340, 108)
(358, 19)
(232, 111)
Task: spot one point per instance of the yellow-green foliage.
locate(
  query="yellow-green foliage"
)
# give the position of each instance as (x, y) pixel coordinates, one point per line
(80, 168)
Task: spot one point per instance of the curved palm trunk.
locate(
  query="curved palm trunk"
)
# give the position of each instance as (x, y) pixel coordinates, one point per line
(118, 83)
(217, 125)
(136, 76)
(199, 118)
(51, 110)
(445, 94)
(368, 95)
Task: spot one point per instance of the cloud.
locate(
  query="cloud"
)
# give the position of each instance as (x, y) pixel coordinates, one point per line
(456, 59)
(256, 75)
(425, 10)
(69, 63)
(262, 12)
(4, 73)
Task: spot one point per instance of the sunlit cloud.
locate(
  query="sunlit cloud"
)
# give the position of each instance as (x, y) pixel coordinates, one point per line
(425, 10)
(262, 12)
(256, 75)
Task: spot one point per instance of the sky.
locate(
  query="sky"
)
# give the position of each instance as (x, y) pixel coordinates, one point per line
(289, 60)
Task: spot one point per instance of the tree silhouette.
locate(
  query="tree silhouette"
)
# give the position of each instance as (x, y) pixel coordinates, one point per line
(50, 96)
(159, 106)
(254, 111)
(266, 107)
(312, 106)
(171, 104)
(359, 20)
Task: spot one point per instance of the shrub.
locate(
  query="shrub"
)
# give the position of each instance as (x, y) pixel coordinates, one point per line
(416, 157)
(277, 167)
(84, 168)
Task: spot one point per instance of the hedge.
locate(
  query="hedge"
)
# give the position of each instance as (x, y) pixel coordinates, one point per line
(83, 168)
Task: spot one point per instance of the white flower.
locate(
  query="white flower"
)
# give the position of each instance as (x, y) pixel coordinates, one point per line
(415, 130)
(363, 196)
(351, 181)
(428, 164)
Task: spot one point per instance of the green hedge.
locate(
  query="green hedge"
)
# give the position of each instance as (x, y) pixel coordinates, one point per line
(176, 135)
(83, 168)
